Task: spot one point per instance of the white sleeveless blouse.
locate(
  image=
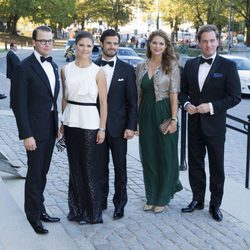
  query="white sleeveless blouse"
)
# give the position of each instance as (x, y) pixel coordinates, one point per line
(81, 86)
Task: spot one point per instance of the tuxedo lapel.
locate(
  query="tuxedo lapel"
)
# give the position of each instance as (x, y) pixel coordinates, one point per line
(196, 74)
(57, 84)
(116, 74)
(40, 72)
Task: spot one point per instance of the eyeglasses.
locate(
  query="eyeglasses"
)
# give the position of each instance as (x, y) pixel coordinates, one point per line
(44, 42)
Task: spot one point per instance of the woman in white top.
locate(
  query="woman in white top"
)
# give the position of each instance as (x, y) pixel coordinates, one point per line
(83, 82)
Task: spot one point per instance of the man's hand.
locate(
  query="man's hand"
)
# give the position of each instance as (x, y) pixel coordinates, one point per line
(203, 108)
(128, 134)
(30, 144)
(191, 109)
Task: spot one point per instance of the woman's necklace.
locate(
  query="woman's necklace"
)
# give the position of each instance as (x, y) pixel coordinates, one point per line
(83, 64)
(154, 65)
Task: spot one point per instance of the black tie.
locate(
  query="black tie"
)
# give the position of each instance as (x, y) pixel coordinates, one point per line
(110, 63)
(203, 60)
(48, 59)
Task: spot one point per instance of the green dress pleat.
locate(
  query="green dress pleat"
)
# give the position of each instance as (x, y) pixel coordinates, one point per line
(158, 152)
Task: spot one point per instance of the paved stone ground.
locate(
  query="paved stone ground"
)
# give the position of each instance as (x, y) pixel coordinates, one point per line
(138, 230)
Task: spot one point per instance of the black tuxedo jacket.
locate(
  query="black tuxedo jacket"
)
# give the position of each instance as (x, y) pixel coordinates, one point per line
(12, 61)
(122, 99)
(32, 99)
(222, 88)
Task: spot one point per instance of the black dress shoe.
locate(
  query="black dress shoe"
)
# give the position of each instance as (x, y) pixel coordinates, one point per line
(2, 96)
(46, 218)
(216, 213)
(194, 205)
(38, 227)
(118, 215)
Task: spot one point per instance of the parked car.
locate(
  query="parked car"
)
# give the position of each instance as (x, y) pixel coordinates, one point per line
(70, 54)
(69, 43)
(96, 52)
(129, 55)
(243, 67)
(70, 50)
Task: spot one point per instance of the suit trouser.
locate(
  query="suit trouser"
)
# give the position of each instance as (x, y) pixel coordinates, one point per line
(118, 147)
(38, 167)
(197, 145)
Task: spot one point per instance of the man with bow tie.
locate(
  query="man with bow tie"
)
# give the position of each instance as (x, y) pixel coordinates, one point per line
(121, 120)
(34, 93)
(210, 86)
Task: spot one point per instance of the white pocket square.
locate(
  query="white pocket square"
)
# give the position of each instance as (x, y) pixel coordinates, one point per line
(120, 79)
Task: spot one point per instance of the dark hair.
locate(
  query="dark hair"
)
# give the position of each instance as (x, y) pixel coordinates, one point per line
(109, 32)
(12, 44)
(42, 28)
(84, 34)
(207, 28)
(168, 55)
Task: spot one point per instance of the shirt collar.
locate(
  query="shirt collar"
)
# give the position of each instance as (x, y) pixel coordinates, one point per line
(114, 59)
(213, 56)
(38, 56)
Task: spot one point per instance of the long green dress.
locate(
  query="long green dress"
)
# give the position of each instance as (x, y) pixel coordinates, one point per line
(158, 152)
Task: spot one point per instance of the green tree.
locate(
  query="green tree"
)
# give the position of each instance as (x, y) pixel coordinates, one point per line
(242, 9)
(120, 12)
(56, 13)
(12, 10)
(88, 10)
(173, 13)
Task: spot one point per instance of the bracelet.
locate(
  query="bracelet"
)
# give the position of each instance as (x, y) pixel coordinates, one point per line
(102, 129)
(174, 119)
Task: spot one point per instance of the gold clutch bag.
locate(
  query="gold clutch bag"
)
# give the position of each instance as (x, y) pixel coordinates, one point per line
(164, 125)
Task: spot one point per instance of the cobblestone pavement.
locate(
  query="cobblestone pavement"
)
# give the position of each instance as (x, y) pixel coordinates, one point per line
(138, 229)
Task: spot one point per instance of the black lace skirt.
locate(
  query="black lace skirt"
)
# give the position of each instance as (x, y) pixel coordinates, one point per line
(83, 194)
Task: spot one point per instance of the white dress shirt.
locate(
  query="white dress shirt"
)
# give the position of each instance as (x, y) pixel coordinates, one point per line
(109, 71)
(48, 69)
(204, 69)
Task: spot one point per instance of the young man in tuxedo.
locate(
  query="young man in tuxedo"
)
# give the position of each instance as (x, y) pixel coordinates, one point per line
(34, 93)
(11, 61)
(121, 120)
(210, 86)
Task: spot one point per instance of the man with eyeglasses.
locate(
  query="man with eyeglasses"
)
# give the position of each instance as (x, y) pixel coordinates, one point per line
(34, 94)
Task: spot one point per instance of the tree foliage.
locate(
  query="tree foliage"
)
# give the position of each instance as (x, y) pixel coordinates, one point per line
(113, 12)
(242, 9)
(12, 10)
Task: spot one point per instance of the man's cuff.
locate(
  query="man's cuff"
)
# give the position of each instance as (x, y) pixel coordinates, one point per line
(211, 108)
(185, 105)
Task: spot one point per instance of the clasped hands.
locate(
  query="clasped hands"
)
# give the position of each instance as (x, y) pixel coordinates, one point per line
(201, 109)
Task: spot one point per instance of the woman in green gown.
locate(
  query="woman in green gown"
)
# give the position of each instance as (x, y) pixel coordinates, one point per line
(158, 82)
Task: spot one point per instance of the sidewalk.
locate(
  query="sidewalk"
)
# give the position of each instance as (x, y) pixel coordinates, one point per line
(137, 230)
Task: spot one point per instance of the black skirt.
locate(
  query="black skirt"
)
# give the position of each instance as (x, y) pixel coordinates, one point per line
(84, 192)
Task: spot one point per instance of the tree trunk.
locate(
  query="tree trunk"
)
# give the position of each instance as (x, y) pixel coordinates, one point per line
(116, 25)
(13, 23)
(248, 33)
(176, 29)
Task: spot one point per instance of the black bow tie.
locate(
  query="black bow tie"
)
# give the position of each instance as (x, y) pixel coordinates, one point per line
(110, 63)
(203, 60)
(48, 59)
